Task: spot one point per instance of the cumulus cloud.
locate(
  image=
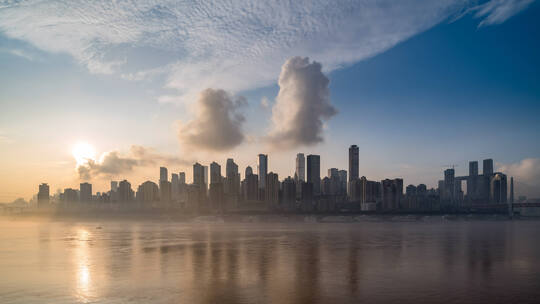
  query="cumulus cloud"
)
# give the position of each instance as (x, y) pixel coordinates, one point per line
(302, 105)
(234, 45)
(114, 162)
(498, 11)
(526, 175)
(217, 124)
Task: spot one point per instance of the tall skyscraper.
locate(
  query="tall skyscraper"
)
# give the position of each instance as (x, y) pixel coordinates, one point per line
(215, 173)
(148, 192)
(263, 170)
(43, 195)
(449, 185)
(300, 172)
(314, 172)
(272, 190)
(512, 190)
(473, 168)
(488, 167)
(198, 175)
(125, 194)
(249, 171)
(114, 191)
(175, 186)
(85, 190)
(232, 178)
(353, 162)
(182, 177)
(163, 174)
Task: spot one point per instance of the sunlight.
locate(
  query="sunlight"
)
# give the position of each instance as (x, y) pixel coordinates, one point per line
(83, 152)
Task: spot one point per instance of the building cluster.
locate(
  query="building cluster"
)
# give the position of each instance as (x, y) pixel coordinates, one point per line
(338, 191)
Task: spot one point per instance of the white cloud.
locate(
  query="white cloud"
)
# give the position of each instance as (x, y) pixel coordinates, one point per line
(235, 45)
(526, 175)
(498, 11)
(217, 124)
(19, 53)
(302, 105)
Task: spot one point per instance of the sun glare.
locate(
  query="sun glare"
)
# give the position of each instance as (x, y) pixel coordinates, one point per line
(82, 152)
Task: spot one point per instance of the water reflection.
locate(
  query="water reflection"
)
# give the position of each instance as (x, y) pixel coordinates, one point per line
(273, 263)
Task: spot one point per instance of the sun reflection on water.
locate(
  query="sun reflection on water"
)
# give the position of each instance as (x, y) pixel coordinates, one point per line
(83, 288)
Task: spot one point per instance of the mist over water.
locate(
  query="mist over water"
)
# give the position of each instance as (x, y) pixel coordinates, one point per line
(424, 261)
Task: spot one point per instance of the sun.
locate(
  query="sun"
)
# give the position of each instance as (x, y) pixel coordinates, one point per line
(82, 152)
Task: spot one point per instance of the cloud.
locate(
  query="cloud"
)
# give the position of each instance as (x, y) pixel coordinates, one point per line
(302, 105)
(526, 175)
(113, 163)
(498, 11)
(236, 45)
(217, 124)
(19, 53)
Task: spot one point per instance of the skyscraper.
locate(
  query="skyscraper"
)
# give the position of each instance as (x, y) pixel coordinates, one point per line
(43, 195)
(314, 172)
(124, 191)
(175, 186)
(85, 192)
(487, 168)
(215, 173)
(300, 172)
(249, 171)
(353, 162)
(232, 178)
(198, 175)
(263, 170)
(182, 177)
(512, 190)
(272, 190)
(163, 174)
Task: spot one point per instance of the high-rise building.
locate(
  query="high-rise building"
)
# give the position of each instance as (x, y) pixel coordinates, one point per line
(163, 174)
(288, 187)
(175, 187)
(272, 189)
(300, 172)
(314, 172)
(198, 175)
(512, 190)
(43, 195)
(498, 189)
(232, 179)
(148, 192)
(215, 173)
(251, 187)
(249, 171)
(392, 190)
(182, 177)
(353, 162)
(263, 170)
(70, 195)
(487, 168)
(114, 191)
(449, 185)
(85, 190)
(125, 194)
(473, 168)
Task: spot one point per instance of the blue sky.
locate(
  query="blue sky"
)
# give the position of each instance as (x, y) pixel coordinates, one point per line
(417, 85)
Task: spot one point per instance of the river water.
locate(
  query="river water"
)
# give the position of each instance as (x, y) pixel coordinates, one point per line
(421, 261)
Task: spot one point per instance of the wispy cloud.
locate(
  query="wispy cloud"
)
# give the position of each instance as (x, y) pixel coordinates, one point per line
(234, 45)
(19, 53)
(498, 11)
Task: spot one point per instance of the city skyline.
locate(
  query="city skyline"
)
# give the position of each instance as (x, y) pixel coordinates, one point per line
(443, 84)
(335, 192)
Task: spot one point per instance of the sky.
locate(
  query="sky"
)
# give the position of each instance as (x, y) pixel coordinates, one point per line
(417, 85)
